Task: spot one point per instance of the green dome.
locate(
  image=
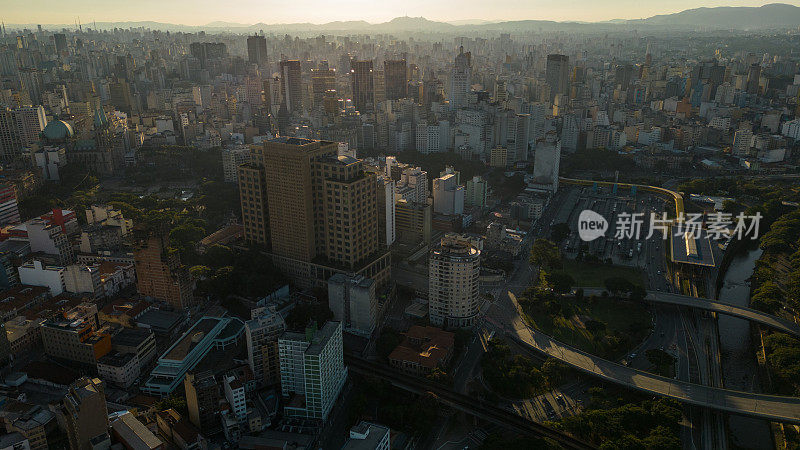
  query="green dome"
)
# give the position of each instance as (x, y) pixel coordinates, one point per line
(57, 130)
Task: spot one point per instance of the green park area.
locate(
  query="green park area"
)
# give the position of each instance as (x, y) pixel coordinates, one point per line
(605, 326)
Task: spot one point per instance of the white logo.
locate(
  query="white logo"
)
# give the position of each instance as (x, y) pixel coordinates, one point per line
(591, 225)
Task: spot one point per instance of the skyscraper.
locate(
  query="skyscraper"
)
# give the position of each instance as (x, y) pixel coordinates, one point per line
(322, 81)
(321, 210)
(262, 332)
(753, 75)
(557, 75)
(395, 74)
(363, 85)
(546, 163)
(460, 79)
(453, 271)
(292, 85)
(257, 49)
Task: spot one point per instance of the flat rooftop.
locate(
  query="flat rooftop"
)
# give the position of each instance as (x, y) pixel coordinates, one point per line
(686, 249)
(191, 338)
(160, 320)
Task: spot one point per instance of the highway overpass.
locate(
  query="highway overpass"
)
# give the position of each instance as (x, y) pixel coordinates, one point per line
(770, 407)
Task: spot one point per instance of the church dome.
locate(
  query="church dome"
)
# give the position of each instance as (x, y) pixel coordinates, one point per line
(57, 130)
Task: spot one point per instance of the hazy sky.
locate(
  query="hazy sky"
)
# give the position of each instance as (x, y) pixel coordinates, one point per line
(201, 12)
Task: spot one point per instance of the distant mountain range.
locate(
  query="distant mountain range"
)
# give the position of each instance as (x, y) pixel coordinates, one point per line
(772, 16)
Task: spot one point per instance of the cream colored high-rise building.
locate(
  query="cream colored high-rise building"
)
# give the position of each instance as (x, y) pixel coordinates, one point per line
(453, 271)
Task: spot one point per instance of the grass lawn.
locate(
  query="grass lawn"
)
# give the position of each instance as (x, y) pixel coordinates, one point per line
(595, 275)
(627, 324)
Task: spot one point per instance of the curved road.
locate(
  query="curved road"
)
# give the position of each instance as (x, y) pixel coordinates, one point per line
(777, 323)
(784, 325)
(776, 408)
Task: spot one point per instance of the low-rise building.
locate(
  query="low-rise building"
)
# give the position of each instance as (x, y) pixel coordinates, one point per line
(422, 350)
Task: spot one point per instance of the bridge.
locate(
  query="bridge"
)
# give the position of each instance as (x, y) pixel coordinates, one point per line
(777, 323)
(770, 407)
(470, 405)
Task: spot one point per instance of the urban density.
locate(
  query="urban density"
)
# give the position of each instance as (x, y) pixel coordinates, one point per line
(411, 233)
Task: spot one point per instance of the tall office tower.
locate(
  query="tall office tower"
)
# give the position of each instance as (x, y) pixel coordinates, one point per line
(546, 163)
(253, 198)
(60, 41)
(262, 332)
(353, 302)
(476, 190)
(292, 195)
(120, 96)
(396, 79)
(19, 128)
(753, 75)
(448, 196)
(570, 132)
(292, 85)
(85, 413)
(522, 137)
(159, 271)
(322, 81)
(30, 80)
(387, 197)
(312, 365)
(350, 208)
(453, 271)
(202, 400)
(363, 85)
(460, 79)
(557, 75)
(257, 50)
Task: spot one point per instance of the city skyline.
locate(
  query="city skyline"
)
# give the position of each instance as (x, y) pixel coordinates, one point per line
(318, 12)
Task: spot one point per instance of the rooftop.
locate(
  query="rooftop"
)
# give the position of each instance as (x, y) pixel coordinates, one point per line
(191, 338)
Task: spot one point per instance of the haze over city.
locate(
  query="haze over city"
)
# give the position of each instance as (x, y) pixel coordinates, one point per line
(202, 12)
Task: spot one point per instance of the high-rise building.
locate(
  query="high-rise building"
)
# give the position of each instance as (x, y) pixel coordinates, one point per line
(476, 192)
(353, 302)
(387, 198)
(396, 79)
(453, 272)
(312, 366)
(322, 81)
(321, 211)
(557, 75)
(448, 196)
(413, 221)
(85, 412)
(202, 400)
(159, 271)
(19, 128)
(292, 85)
(546, 163)
(363, 85)
(753, 77)
(522, 135)
(257, 50)
(232, 158)
(262, 333)
(460, 79)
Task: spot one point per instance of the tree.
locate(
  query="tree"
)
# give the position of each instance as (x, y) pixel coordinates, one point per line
(560, 281)
(596, 327)
(559, 232)
(545, 254)
(618, 285)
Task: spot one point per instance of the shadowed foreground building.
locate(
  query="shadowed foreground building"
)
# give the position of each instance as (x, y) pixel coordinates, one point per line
(85, 413)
